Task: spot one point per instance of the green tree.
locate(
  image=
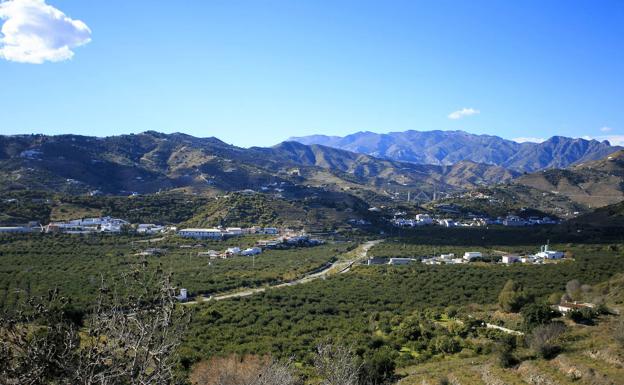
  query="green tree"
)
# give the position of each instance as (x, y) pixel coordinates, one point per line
(512, 297)
(536, 314)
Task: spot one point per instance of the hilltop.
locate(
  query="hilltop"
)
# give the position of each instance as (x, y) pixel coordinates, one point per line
(593, 184)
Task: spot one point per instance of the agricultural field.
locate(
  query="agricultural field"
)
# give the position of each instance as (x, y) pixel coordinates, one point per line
(30, 265)
(365, 308)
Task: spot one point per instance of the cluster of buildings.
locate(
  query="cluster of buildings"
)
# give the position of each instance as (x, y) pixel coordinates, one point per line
(390, 261)
(543, 255)
(538, 258)
(88, 225)
(29, 228)
(509, 220)
(230, 252)
(289, 240)
(450, 259)
(283, 242)
(217, 233)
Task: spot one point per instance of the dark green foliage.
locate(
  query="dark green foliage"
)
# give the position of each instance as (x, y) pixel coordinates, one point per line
(536, 314)
(512, 297)
(18, 208)
(584, 315)
(33, 263)
(378, 367)
(369, 301)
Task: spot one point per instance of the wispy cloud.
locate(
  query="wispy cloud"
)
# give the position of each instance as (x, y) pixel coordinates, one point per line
(615, 140)
(463, 113)
(606, 129)
(529, 139)
(35, 32)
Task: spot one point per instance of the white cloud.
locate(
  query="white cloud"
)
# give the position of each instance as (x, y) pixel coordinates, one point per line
(35, 32)
(606, 129)
(615, 140)
(462, 113)
(529, 139)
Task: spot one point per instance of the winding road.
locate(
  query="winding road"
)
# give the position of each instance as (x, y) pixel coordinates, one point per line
(339, 267)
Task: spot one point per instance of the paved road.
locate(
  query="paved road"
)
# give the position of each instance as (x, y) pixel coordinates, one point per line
(333, 268)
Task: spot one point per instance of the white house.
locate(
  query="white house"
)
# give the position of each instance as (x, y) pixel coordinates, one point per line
(183, 295)
(447, 223)
(513, 220)
(212, 254)
(424, 219)
(98, 221)
(565, 307)
(251, 251)
(400, 261)
(376, 261)
(233, 251)
(546, 253)
(234, 231)
(150, 228)
(270, 230)
(15, 229)
(509, 259)
(470, 255)
(201, 233)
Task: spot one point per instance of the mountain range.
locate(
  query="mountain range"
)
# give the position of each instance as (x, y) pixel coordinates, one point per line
(151, 161)
(450, 147)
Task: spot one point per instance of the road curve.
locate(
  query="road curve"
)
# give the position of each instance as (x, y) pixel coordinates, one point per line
(343, 267)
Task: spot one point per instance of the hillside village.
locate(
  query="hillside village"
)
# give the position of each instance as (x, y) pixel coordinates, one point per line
(475, 221)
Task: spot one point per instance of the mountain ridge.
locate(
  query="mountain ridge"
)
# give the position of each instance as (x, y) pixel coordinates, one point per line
(440, 147)
(151, 161)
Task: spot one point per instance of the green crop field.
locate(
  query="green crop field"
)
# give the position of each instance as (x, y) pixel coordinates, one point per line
(32, 264)
(349, 307)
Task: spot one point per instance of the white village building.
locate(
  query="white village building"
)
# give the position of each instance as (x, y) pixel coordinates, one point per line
(201, 233)
(546, 253)
(470, 255)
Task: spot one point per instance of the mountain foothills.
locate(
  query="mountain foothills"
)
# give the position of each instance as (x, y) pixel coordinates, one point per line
(450, 147)
(593, 184)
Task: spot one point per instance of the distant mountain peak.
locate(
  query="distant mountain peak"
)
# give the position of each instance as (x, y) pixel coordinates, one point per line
(439, 147)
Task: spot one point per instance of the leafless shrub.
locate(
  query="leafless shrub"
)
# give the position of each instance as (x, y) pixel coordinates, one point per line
(573, 289)
(336, 365)
(123, 341)
(619, 332)
(277, 373)
(245, 370)
(543, 339)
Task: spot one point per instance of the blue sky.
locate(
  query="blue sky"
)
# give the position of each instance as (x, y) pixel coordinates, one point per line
(258, 72)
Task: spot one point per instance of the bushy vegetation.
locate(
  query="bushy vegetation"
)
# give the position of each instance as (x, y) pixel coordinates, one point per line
(32, 264)
(393, 312)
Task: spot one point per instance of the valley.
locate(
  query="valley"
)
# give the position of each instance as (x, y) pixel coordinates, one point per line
(273, 252)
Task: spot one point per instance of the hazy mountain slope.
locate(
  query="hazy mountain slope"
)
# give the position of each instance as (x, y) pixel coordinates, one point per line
(449, 147)
(594, 184)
